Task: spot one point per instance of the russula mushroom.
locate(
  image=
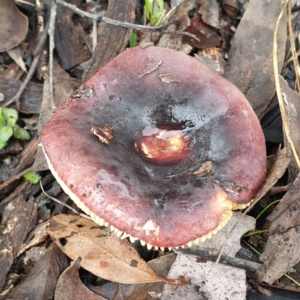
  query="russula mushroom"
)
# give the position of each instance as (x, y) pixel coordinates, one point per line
(158, 147)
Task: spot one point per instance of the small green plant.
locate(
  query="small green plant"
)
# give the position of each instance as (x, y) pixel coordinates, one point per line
(32, 177)
(9, 126)
(132, 40)
(155, 12)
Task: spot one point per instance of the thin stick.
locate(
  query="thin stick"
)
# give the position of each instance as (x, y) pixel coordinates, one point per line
(33, 66)
(63, 204)
(124, 24)
(51, 49)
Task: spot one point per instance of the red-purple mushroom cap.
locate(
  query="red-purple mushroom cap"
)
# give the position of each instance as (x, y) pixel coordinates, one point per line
(158, 147)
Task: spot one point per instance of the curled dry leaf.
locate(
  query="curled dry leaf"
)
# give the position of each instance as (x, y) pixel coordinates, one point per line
(281, 163)
(102, 253)
(69, 285)
(13, 25)
(41, 282)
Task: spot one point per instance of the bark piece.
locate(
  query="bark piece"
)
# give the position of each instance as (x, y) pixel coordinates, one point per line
(112, 40)
(19, 217)
(30, 101)
(68, 41)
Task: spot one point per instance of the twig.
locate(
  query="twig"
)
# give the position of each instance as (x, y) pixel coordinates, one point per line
(103, 19)
(63, 204)
(278, 189)
(36, 54)
(51, 49)
(124, 24)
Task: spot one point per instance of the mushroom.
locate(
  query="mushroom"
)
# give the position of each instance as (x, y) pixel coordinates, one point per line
(157, 147)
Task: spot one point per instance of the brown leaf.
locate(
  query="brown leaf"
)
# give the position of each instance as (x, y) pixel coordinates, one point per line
(231, 7)
(281, 163)
(69, 285)
(250, 62)
(112, 40)
(146, 291)
(13, 25)
(41, 281)
(67, 37)
(102, 253)
(282, 249)
(209, 11)
(208, 36)
(36, 236)
(15, 54)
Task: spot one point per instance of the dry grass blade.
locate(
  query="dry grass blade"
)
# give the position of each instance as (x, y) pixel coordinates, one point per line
(286, 126)
(293, 47)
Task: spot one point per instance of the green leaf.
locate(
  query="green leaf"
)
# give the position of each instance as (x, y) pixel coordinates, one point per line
(32, 177)
(5, 133)
(2, 144)
(148, 8)
(132, 40)
(10, 115)
(155, 12)
(21, 133)
(2, 121)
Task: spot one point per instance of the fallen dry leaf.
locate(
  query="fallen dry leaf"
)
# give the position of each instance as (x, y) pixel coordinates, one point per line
(282, 161)
(13, 25)
(69, 285)
(282, 249)
(15, 54)
(41, 281)
(144, 291)
(207, 280)
(102, 253)
(69, 43)
(209, 11)
(36, 236)
(250, 63)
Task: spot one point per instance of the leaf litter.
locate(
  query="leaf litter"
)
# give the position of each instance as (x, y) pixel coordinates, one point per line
(249, 54)
(102, 253)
